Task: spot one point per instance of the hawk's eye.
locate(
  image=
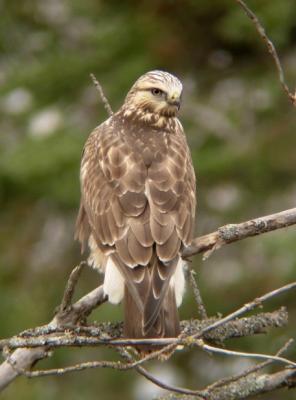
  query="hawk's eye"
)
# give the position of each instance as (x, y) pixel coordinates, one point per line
(156, 92)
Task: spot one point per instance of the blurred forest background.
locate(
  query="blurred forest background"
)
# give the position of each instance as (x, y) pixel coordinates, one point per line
(241, 130)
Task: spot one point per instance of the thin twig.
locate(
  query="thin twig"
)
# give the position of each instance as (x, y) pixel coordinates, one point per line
(142, 371)
(270, 46)
(102, 95)
(203, 393)
(99, 364)
(248, 371)
(167, 386)
(246, 308)
(259, 356)
(198, 299)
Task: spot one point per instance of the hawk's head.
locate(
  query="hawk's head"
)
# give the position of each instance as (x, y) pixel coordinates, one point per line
(156, 92)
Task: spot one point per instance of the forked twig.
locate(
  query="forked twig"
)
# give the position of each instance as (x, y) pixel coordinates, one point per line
(246, 308)
(248, 371)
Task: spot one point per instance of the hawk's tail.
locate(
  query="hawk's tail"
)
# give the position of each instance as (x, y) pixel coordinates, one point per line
(159, 318)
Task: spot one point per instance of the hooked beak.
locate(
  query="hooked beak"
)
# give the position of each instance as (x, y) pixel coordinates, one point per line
(174, 100)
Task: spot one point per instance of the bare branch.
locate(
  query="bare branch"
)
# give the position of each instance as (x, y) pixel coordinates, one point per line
(70, 287)
(247, 307)
(248, 371)
(142, 371)
(271, 49)
(226, 352)
(233, 232)
(81, 309)
(22, 359)
(246, 387)
(102, 95)
(101, 364)
(204, 393)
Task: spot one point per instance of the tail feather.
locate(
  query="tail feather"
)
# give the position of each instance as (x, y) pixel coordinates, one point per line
(157, 317)
(166, 324)
(159, 281)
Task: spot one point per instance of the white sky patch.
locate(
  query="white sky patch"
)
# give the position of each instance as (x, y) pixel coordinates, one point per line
(45, 123)
(17, 101)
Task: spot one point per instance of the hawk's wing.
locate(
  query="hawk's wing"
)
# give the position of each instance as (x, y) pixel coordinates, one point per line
(139, 204)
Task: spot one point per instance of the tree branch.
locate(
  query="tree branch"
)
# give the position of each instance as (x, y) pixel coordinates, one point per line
(247, 307)
(248, 371)
(104, 333)
(259, 356)
(234, 232)
(210, 389)
(70, 315)
(17, 367)
(70, 288)
(245, 387)
(23, 358)
(270, 47)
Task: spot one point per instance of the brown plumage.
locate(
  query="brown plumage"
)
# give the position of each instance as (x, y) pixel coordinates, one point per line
(138, 205)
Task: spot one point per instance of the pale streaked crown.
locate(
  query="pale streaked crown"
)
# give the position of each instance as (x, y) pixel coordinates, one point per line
(157, 92)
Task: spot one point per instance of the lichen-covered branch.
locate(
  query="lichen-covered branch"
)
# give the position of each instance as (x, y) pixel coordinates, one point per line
(21, 359)
(234, 232)
(196, 292)
(104, 333)
(248, 386)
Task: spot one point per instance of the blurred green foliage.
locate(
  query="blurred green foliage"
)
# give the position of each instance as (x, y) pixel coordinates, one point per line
(241, 131)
